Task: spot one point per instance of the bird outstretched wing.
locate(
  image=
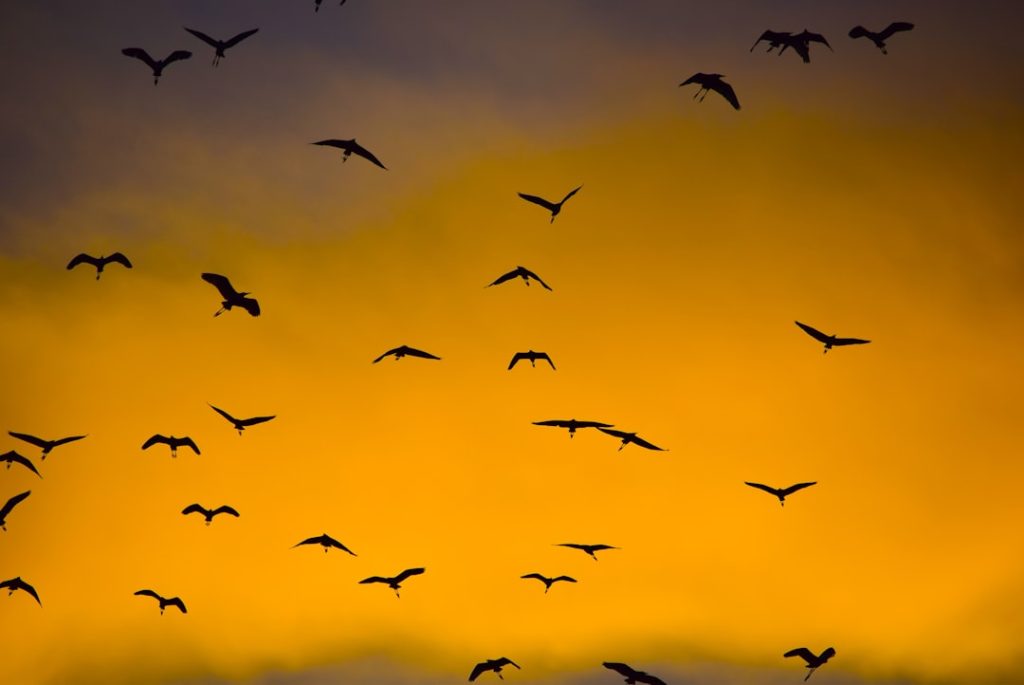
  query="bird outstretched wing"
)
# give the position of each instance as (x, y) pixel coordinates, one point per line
(620, 668)
(505, 277)
(13, 502)
(568, 579)
(813, 332)
(409, 572)
(726, 91)
(477, 670)
(617, 433)
(649, 679)
(530, 274)
(637, 440)
(858, 31)
(15, 458)
(256, 419)
(389, 352)
(515, 359)
(762, 486)
(544, 356)
(195, 509)
(570, 194)
(31, 439)
(156, 440)
(120, 259)
(543, 579)
(63, 441)
(188, 442)
(231, 42)
(22, 585)
(413, 352)
(893, 28)
(177, 55)
(550, 206)
(374, 579)
(225, 509)
(82, 258)
(222, 284)
(838, 342)
(785, 492)
(213, 42)
(229, 417)
(319, 539)
(176, 602)
(148, 593)
(140, 54)
(250, 305)
(358, 149)
(802, 652)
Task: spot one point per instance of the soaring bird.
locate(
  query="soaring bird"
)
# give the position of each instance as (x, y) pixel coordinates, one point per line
(589, 549)
(209, 513)
(712, 82)
(829, 340)
(46, 445)
(172, 442)
(532, 356)
(879, 38)
(572, 424)
(633, 676)
(351, 147)
(395, 581)
(553, 207)
(491, 665)
(813, 661)
(157, 66)
(12, 457)
(240, 424)
(405, 351)
(548, 582)
(19, 584)
(318, 2)
(220, 45)
(99, 262)
(775, 40)
(164, 601)
(781, 493)
(801, 43)
(232, 298)
(523, 273)
(11, 503)
(325, 541)
(631, 438)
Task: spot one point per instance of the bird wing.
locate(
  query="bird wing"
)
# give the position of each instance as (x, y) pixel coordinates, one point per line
(827, 654)
(649, 679)
(358, 149)
(310, 541)
(726, 91)
(374, 579)
(894, 27)
(515, 359)
(156, 439)
(538, 576)
(636, 440)
(335, 543)
(593, 424)
(139, 53)
(544, 355)
(31, 439)
(222, 284)
(815, 38)
(550, 206)
(621, 669)
(413, 352)
(195, 509)
(849, 341)
(256, 419)
(478, 669)
(225, 509)
(223, 413)
(188, 442)
(333, 142)
(598, 548)
(530, 274)
(120, 259)
(203, 37)
(802, 48)
(30, 590)
(24, 461)
(505, 277)
(798, 486)
(505, 661)
(250, 305)
(62, 441)
(176, 55)
(813, 332)
(858, 31)
(13, 502)
(176, 602)
(558, 423)
(802, 652)
(568, 579)
(81, 258)
(231, 42)
(611, 431)
(409, 572)
(766, 488)
(391, 351)
(699, 75)
(149, 593)
(770, 36)
(570, 194)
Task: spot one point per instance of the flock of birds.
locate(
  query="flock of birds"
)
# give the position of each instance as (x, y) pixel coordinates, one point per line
(231, 298)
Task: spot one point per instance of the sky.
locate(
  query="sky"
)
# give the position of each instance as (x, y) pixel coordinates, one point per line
(868, 195)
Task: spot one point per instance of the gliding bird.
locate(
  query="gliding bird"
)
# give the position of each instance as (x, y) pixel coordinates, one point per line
(164, 601)
(351, 147)
(209, 513)
(801, 43)
(13, 457)
(573, 425)
(240, 424)
(532, 356)
(712, 82)
(232, 298)
(633, 676)
(11, 503)
(548, 582)
(99, 262)
(172, 442)
(491, 665)
(157, 66)
(46, 445)
(523, 273)
(406, 351)
(879, 38)
(19, 584)
(631, 438)
(589, 549)
(325, 541)
(813, 661)
(781, 493)
(220, 45)
(553, 207)
(829, 340)
(395, 581)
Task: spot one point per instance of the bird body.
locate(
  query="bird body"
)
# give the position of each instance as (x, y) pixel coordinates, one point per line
(572, 424)
(12, 457)
(491, 665)
(632, 675)
(554, 207)
(172, 442)
(351, 147)
(164, 601)
(393, 582)
(548, 582)
(99, 262)
(46, 445)
(589, 549)
(781, 493)
(532, 357)
(879, 38)
(9, 506)
(241, 424)
(208, 514)
(232, 298)
(19, 584)
(830, 341)
(814, 661)
(713, 82)
(220, 46)
(633, 438)
(157, 66)
(406, 351)
(521, 272)
(325, 541)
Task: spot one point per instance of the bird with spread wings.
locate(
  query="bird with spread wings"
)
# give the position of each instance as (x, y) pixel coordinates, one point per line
(491, 665)
(554, 207)
(830, 341)
(220, 46)
(393, 582)
(157, 65)
(781, 493)
(351, 147)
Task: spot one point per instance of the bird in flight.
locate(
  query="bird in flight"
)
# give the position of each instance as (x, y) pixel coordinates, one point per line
(164, 601)
(325, 541)
(879, 38)
(19, 584)
(172, 442)
(240, 424)
(548, 582)
(46, 445)
(11, 503)
(553, 207)
(318, 2)
(573, 425)
(12, 457)
(209, 513)
(631, 675)
(232, 298)
(99, 262)
(523, 273)
(220, 45)
(532, 356)
(801, 43)
(589, 549)
(775, 39)
(631, 438)
(781, 493)
(406, 351)
(829, 340)
(814, 661)
(351, 147)
(491, 665)
(395, 582)
(712, 82)
(157, 66)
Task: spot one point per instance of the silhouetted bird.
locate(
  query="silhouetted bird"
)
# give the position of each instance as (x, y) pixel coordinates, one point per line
(633, 676)
(240, 424)
(775, 40)
(318, 2)
(46, 445)
(157, 66)
(172, 442)
(394, 582)
(232, 298)
(548, 582)
(325, 541)
(19, 584)
(13, 457)
(99, 262)
(532, 356)
(573, 425)
(209, 513)
(813, 661)
(523, 273)
(879, 38)
(553, 207)
(491, 665)
(801, 43)
(589, 549)
(405, 351)
(781, 493)
(11, 503)
(628, 438)
(164, 601)
(829, 340)
(351, 147)
(220, 45)
(712, 82)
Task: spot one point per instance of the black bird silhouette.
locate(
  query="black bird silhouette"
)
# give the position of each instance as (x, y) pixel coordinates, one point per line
(325, 541)
(351, 147)
(775, 39)
(19, 584)
(589, 549)
(220, 45)
(491, 665)
(164, 601)
(814, 661)
(11, 503)
(405, 351)
(548, 582)
(523, 273)
(318, 2)
(209, 513)
(631, 438)
(240, 424)
(573, 425)
(232, 298)
(157, 66)
(801, 43)
(532, 356)
(12, 457)
(553, 207)
(829, 340)
(46, 445)
(172, 442)
(879, 38)
(712, 82)
(395, 581)
(99, 262)
(781, 493)
(631, 675)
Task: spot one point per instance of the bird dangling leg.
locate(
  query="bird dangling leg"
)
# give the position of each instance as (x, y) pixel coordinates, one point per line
(174, 453)
(209, 521)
